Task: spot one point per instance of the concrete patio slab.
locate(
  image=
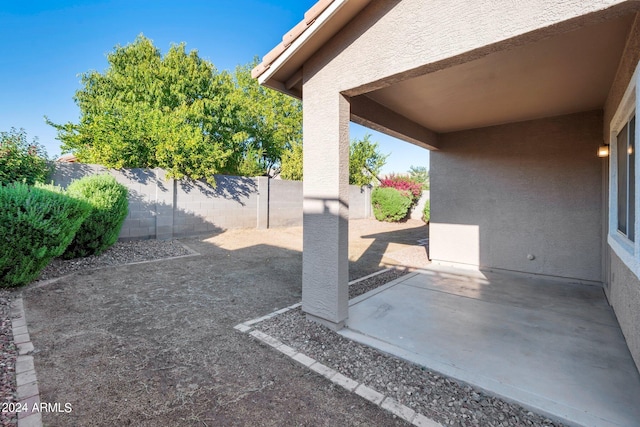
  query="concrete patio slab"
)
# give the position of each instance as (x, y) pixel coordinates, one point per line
(552, 346)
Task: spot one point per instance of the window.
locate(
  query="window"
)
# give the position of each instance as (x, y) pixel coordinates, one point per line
(625, 158)
(623, 180)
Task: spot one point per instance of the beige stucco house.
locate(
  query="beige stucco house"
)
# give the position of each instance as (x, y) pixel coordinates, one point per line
(513, 98)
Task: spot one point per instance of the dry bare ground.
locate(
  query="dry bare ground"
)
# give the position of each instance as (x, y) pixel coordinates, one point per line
(153, 344)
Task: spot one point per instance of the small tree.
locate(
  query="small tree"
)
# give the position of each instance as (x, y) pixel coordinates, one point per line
(21, 161)
(365, 161)
(269, 125)
(149, 110)
(420, 174)
(291, 165)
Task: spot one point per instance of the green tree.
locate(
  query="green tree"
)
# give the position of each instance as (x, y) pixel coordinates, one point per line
(420, 174)
(20, 160)
(291, 167)
(365, 161)
(147, 110)
(270, 125)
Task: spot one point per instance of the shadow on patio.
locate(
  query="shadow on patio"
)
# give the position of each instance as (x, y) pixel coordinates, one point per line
(552, 346)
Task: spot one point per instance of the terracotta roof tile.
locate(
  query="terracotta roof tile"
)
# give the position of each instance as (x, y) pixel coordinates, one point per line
(273, 54)
(309, 18)
(316, 10)
(294, 33)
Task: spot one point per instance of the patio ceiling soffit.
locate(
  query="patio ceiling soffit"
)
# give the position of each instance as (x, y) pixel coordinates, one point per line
(373, 115)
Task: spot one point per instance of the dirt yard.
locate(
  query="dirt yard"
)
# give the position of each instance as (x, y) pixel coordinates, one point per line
(153, 344)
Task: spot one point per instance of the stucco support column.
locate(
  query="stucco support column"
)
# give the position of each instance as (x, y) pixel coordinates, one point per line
(325, 258)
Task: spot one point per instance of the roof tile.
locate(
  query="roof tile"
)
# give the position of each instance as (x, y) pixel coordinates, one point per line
(316, 10)
(309, 18)
(274, 53)
(294, 33)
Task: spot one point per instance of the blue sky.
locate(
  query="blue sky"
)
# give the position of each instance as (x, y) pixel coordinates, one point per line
(46, 45)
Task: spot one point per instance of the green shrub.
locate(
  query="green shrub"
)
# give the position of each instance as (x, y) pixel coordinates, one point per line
(390, 204)
(109, 203)
(36, 225)
(406, 185)
(426, 211)
(21, 161)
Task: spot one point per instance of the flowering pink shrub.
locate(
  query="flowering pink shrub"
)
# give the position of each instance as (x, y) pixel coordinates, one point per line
(404, 184)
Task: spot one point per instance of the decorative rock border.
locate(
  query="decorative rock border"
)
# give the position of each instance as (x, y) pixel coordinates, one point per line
(39, 284)
(373, 396)
(28, 393)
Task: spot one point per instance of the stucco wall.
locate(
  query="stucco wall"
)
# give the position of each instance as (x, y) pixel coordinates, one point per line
(502, 193)
(435, 37)
(390, 41)
(623, 287)
(624, 297)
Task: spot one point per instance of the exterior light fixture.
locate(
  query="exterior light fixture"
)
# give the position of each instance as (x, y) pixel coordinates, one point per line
(603, 151)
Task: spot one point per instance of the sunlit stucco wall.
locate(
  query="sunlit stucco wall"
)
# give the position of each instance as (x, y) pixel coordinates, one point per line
(523, 196)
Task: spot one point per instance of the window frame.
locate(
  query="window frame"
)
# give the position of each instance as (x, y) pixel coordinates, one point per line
(626, 223)
(627, 250)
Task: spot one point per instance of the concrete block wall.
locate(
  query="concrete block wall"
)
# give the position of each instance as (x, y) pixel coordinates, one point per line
(164, 208)
(147, 193)
(201, 208)
(360, 202)
(285, 207)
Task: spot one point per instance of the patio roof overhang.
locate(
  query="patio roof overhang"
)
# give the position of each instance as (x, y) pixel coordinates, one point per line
(567, 73)
(562, 70)
(281, 68)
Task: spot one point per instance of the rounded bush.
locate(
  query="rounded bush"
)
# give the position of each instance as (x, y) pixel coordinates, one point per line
(390, 204)
(426, 211)
(36, 225)
(404, 184)
(109, 206)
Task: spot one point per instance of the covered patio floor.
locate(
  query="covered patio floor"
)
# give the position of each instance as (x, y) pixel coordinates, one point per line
(552, 346)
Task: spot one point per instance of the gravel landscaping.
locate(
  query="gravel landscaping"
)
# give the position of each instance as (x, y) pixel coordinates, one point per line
(428, 393)
(118, 254)
(360, 287)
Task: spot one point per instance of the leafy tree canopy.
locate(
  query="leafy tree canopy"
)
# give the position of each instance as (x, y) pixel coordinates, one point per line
(365, 161)
(270, 125)
(179, 113)
(420, 174)
(291, 167)
(20, 160)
